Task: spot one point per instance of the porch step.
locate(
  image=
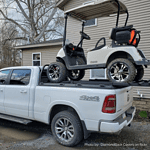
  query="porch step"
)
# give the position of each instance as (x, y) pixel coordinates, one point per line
(15, 119)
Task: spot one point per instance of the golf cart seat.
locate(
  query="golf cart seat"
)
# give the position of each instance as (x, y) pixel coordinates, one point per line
(98, 47)
(73, 50)
(125, 35)
(120, 34)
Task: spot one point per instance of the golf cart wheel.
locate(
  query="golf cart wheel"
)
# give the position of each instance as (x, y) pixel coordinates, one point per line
(139, 73)
(66, 128)
(76, 75)
(56, 72)
(121, 71)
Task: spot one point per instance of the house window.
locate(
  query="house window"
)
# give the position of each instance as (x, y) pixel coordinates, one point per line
(36, 59)
(91, 22)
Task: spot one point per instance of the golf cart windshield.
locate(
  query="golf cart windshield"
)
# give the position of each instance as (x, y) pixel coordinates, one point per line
(97, 8)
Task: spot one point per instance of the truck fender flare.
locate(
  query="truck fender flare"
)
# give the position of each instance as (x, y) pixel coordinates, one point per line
(63, 102)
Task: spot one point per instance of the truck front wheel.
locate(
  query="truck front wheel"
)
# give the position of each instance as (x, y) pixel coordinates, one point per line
(121, 70)
(66, 128)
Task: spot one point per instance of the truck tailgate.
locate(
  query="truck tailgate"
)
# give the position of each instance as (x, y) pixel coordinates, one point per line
(124, 98)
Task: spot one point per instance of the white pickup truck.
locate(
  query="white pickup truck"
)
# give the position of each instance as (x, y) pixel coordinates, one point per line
(72, 109)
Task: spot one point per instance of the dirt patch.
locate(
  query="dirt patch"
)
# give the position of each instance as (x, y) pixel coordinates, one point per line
(138, 118)
(16, 134)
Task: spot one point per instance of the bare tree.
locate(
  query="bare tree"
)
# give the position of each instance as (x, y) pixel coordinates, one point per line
(8, 55)
(39, 20)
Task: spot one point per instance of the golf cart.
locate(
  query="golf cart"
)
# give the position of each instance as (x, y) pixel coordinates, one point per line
(123, 60)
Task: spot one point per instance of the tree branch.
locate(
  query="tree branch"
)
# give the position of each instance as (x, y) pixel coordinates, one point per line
(23, 12)
(15, 38)
(43, 14)
(14, 22)
(45, 25)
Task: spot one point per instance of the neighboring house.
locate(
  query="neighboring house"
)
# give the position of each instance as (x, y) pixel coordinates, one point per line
(41, 53)
(96, 28)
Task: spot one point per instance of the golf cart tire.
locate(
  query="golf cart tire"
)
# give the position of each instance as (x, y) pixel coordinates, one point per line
(62, 72)
(129, 64)
(74, 121)
(139, 73)
(79, 77)
(81, 72)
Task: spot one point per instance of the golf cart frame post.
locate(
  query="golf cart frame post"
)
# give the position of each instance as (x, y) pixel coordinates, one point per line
(83, 24)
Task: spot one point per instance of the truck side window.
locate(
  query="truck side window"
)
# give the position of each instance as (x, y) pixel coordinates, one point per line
(3, 76)
(20, 77)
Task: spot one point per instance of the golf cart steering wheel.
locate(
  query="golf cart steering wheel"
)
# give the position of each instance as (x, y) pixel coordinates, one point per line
(84, 35)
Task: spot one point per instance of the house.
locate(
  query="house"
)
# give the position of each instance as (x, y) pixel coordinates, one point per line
(41, 53)
(98, 28)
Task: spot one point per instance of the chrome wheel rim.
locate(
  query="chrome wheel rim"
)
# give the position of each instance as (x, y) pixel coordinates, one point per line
(119, 72)
(54, 72)
(75, 73)
(64, 129)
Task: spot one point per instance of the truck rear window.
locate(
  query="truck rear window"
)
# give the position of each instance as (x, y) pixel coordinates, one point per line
(20, 77)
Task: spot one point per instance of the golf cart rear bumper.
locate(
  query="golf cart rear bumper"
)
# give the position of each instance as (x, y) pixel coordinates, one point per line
(119, 123)
(143, 62)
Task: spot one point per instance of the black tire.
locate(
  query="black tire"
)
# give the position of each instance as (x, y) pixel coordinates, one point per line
(139, 73)
(121, 70)
(61, 60)
(77, 75)
(76, 130)
(56, 72)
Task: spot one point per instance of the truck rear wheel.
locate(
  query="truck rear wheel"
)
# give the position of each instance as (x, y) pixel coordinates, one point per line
(121, 71)
(56, 72)
(66, 128)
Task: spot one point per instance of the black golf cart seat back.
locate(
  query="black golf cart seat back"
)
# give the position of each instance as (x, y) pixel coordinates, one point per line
(73, 50)
(125, 35)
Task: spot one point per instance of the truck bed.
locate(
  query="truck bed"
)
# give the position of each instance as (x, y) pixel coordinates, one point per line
(100, 84)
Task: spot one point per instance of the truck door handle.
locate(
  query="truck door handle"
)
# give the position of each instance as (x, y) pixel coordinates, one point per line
(23, 91)
(1, 90)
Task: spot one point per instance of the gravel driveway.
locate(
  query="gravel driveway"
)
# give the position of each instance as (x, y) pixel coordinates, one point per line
(37, 136)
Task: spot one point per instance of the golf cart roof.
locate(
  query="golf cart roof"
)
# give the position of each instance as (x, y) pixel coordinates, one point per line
(96, 8)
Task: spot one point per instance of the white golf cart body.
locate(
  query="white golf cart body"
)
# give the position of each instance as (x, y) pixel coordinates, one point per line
(102, 56)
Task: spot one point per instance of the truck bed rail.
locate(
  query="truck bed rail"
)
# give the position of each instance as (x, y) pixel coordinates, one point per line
(101, 84)
(140, 83)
